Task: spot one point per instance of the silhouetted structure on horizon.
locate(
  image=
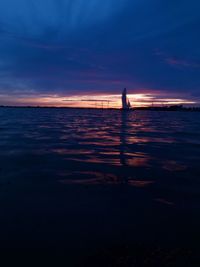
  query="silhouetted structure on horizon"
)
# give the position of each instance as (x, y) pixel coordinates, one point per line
(126, 105)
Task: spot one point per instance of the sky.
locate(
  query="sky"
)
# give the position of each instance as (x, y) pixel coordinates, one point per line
(56, 51)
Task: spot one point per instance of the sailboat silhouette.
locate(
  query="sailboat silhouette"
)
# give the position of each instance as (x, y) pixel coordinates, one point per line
(126, 105)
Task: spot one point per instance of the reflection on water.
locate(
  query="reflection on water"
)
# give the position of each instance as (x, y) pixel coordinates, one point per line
(76, 180)
(171, 165)
(127, 156)
(141, 149)
(163, 201)
(123, 137)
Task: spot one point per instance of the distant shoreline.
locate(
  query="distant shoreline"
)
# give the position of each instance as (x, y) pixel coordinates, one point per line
(169, 108)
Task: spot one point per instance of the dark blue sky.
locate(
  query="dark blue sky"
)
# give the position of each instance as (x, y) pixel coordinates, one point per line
(70, 47)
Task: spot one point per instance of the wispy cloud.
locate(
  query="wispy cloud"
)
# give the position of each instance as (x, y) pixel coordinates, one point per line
(67, 47)
(176, 61)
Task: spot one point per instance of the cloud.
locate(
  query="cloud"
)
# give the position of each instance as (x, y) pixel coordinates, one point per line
(181, 62)
(68, 46)
(176, 61)
(34, 17)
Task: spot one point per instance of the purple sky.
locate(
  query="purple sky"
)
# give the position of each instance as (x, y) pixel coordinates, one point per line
(64, 48)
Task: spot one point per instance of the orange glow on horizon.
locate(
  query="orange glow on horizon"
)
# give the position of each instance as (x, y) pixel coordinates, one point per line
(105, 101)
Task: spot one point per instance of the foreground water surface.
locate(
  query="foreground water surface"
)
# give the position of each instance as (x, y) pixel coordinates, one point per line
(83, 181)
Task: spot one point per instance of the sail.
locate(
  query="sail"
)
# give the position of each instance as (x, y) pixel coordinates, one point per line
(125, 102)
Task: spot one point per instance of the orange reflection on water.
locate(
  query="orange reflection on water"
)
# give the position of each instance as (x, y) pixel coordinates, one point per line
(97, 160)
(139, 162)
(89, 178)
(68, 151)
(140, 183)
(171, 165)
(150, 140)
(99, 178)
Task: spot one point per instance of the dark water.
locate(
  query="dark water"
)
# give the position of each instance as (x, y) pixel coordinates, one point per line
(78, 182)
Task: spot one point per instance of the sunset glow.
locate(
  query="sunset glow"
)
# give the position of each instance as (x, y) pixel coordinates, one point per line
(103, 100)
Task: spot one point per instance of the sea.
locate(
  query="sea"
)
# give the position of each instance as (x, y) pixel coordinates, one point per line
(100, 187)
